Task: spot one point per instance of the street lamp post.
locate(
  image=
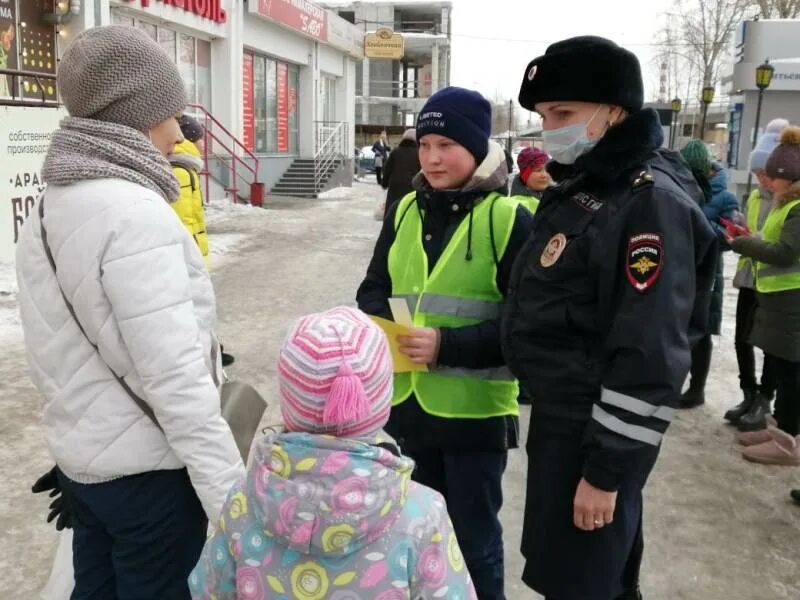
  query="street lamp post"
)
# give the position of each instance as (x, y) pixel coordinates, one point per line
(707, 98)
(764, 73)
(673, 135)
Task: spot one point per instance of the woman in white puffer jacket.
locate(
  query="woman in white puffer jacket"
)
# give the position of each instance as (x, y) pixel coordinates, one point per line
(139, 493)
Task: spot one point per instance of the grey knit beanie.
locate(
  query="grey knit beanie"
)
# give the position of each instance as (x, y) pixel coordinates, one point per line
(119, 75)
(767, 143)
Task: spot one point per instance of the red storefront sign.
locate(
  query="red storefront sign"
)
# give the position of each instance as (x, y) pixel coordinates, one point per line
(208, 9)
(283, 107)
(247, 93)
(305, 17)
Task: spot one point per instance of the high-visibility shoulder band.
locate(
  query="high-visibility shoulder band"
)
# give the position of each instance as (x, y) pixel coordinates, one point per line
(636, 406)
(499, 374)
(634, 432)
(467, 308)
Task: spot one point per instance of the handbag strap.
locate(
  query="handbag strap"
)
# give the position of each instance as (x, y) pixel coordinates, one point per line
(145, 408)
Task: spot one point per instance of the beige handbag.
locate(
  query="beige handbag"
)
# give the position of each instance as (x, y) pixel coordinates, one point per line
(242, 408)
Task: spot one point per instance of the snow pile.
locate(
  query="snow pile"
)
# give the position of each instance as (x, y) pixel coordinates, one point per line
(8, 280)
(359, 191)
(336, 193)
(223, 208)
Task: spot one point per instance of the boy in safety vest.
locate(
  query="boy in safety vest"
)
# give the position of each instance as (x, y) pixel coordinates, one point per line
(776, 326)
(447, 248)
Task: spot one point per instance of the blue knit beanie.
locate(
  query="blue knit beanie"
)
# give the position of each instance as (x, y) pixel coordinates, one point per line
(462, 115)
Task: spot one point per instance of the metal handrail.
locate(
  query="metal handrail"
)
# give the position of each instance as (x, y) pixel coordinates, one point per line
(332, 141)
(32, 75)
(232, 149)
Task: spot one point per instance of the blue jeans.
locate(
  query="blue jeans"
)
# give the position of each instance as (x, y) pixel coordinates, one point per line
(471, 483)
(137, 537)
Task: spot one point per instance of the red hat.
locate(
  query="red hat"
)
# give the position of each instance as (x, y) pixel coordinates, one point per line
(532, 157)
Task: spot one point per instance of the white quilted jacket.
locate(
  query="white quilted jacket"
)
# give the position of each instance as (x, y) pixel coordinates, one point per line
(139, 287)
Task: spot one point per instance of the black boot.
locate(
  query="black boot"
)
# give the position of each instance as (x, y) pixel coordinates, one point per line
(738, 411)
(795, 494)
(755, 419)
(692, 398)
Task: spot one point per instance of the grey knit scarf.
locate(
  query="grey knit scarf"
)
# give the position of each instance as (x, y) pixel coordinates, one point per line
(84, 149)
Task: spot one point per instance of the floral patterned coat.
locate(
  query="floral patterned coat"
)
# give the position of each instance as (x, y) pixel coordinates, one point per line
(320, 517)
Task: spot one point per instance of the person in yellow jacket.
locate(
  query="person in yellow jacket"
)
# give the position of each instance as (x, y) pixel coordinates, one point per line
(447, 248)
(187, 164)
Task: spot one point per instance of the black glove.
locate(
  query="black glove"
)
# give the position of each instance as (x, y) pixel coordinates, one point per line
(227, 359)
(59, 508)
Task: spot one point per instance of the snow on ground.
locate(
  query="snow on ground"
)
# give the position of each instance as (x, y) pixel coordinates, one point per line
(8, 280)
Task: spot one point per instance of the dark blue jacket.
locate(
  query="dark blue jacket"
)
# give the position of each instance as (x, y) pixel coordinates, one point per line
(722, 203)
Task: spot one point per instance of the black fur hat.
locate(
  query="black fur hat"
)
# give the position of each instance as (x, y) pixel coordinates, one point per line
(585, 69)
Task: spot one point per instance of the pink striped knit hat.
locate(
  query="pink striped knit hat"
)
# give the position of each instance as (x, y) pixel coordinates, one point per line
(335, 375)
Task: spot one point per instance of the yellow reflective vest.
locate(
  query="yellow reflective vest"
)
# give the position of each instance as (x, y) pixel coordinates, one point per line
(458, 292)
(770, 278)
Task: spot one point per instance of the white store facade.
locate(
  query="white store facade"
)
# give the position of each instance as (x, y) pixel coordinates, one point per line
(269, 72)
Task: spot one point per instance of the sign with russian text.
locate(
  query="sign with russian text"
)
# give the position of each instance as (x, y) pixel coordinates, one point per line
(25, 134)
(303, 16)
(207, 9)
(384, 43)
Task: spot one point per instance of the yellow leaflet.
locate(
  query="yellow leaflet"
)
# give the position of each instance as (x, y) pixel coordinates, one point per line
(402, 364)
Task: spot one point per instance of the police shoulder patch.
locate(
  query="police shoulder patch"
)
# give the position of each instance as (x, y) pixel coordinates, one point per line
(644, 259)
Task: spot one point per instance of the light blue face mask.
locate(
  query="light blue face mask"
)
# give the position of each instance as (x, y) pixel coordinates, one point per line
(567, 144)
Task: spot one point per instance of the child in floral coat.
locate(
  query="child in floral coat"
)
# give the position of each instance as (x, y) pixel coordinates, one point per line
(328, 509)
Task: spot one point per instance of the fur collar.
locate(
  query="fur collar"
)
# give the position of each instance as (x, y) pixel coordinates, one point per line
(791, 193)
(624, 147)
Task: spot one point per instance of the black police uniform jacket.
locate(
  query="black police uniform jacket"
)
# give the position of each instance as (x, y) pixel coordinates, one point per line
(609, 294)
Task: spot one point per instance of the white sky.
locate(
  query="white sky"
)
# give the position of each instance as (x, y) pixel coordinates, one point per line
(497, 65)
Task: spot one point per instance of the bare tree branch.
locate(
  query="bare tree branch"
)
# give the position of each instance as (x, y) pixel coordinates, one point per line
(706, 27)
(778, 9)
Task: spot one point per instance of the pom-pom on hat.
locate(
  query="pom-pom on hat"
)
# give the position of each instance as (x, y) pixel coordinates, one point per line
(335, 375)
(784, 162)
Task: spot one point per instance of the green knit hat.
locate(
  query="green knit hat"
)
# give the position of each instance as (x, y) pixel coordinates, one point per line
(696, 154)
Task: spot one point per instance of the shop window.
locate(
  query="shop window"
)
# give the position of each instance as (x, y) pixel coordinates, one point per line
(259, 104)
(204, 73)
(167, 39)
(294, 132)
(150, 29)
(27, 44)
(187, 63)
(271, 110)
(117, 18)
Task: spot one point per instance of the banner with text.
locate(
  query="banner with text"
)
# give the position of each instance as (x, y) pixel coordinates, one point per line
(25, 134)
(306, 17)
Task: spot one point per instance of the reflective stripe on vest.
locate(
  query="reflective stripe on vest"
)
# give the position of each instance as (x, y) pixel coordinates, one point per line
(457, 292)
(753, 214)
(770, 278)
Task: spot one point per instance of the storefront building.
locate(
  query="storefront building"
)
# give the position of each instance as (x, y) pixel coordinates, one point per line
(272, 73)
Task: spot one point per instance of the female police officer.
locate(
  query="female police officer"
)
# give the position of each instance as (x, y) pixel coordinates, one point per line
(607, 296)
